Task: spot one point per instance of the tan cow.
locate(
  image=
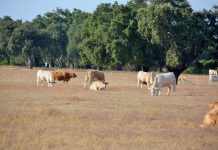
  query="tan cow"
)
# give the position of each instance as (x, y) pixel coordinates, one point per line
(145, 78)
(93, 75)
(210, 119)
(98, 85)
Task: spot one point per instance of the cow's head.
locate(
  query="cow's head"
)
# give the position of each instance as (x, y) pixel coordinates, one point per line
(100, 85)
(68, 75)
(73, 75)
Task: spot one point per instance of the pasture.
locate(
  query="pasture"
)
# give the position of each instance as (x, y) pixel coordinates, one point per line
(122, 117)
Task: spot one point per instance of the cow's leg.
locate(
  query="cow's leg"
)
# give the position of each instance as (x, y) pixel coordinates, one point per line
(40, 82)
(37, 82)
(174, 88)
(138, 82)
(48, 83)
(149, 85)
(90, 81)
(159, 91)
(141, 84)
(85, 82)
(168, 90)
(209, 80)
(156, 92)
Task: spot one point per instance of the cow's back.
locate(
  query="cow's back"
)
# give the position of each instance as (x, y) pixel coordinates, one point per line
(58, 75)
(95, 75)
(165, 79)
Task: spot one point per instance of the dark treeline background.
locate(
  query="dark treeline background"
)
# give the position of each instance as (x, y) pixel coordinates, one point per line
(143, 34)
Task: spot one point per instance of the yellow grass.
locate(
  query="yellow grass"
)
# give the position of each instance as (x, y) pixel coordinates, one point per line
(120, 118)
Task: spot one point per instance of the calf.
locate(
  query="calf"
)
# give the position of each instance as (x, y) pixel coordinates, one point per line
(98, 85)
(163, 80)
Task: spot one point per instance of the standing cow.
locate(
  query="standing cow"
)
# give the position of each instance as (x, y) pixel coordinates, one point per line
(145, 78)
(93, 75)
(163, 80)
(43, 75)
(63, 76)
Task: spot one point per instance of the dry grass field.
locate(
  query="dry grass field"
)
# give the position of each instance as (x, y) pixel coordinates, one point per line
(69, 117)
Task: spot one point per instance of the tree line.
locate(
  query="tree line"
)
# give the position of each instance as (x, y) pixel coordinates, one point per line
(143, 34)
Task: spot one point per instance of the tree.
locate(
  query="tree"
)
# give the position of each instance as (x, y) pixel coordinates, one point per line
(57, 45)
(94, 36)
(74, 37)
(178, 31)
(7, 26)
(121, 30)
(24, 44)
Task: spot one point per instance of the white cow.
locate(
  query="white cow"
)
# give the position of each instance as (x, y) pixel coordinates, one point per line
(213, 78)
(98, 85)
(163, 80)
(43, 75)
(212, 72)
(145, 77)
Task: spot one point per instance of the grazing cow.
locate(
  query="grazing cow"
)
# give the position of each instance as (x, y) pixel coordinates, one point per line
(212, 72)
(163, 80)
(63, 76)
(93, 75)
(210, 119)
(98, 85)
(213, 78)
(43, 75)
(145, 78)
(214, 106)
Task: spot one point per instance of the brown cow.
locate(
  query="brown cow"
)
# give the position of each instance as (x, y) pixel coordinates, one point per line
(93, 75)
(65, 76)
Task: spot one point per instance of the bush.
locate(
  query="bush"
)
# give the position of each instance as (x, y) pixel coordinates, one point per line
(4, 62)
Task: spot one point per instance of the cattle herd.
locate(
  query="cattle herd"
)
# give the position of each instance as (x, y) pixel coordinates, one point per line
(154, 82)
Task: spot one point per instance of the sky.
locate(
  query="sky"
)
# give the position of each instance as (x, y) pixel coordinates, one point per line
(29, 9)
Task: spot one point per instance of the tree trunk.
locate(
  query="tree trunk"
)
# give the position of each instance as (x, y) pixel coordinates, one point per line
(29, 63)
(177, 72)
